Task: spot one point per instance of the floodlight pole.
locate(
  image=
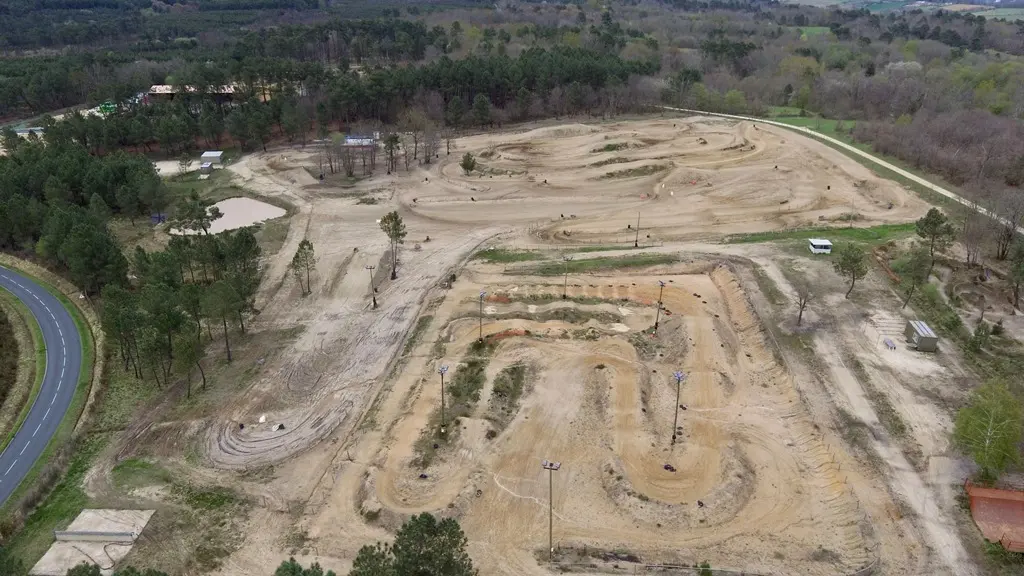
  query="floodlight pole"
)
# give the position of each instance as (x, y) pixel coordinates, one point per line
(657, 316)
(565, 285)
(636, 242)
(551, 467)
(373, 291)
(482, 294)
(441, 371)
(679, 376)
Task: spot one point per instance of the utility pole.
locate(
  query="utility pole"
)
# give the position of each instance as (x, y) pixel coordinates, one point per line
(636, 242)
(565, 285)
(551, 467)
(442, 370)
(373, 291)
(657, 316)
(482, 294)
(679, 376)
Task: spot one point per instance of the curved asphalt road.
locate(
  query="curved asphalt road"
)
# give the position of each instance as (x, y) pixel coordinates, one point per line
(63, 363)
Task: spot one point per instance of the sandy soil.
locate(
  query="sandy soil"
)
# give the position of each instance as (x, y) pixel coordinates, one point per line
(745, 178)
(746, 451)
(782, 493)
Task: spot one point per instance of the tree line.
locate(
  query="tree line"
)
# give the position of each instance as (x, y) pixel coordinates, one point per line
(55, 201)
(423, 546)
(201, 280)
(449, 93)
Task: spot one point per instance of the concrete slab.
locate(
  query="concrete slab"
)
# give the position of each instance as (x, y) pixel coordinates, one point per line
(83, 541)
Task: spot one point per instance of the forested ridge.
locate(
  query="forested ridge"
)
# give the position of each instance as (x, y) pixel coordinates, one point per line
(942, 90)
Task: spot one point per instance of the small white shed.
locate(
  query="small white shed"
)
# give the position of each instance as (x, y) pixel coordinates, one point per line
(921, 336)
(212, 157)
(819, 246)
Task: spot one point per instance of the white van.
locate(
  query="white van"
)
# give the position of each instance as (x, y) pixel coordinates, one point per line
(819, 246)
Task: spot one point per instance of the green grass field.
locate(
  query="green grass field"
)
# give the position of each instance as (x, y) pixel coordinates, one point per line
(885, 6)
(595, 264)
(1007, 13)
(872, 235)
(783, 112)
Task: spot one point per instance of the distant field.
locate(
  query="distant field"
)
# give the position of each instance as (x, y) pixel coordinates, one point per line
(885, 6)
(810, 31)
(1008, 13)
(961, 8)
(783, 111)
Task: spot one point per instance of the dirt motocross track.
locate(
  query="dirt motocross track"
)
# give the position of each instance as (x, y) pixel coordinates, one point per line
(748, 450)
(748, 469)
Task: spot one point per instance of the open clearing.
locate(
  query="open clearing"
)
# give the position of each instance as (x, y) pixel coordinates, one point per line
(766, 478)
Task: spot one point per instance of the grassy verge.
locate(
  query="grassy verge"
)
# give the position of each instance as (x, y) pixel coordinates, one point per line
(768, 287)
(421, 326)
(60, 506)
(51, 508)
(612, 160)
(871, 235)
(509, 386)
(462, 394)
(39, 347)
(505, 255)
(604, 248)
(549, 298)
(594, 264)
(612, 147)
(635, 172)
(136, 472)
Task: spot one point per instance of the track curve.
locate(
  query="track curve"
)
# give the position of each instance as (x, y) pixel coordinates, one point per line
(60, 377)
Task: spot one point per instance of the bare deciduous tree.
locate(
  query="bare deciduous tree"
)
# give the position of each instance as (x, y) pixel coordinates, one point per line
(973, 234)
(803, 296)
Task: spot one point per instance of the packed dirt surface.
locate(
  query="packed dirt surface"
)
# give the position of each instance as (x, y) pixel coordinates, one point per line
(339, 417)
(685, 179)
(346, 348)
(748, 470)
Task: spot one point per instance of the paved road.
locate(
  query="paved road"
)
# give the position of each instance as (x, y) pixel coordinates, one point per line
(63, 363)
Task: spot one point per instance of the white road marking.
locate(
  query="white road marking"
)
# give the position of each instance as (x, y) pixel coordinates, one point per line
(64, 360)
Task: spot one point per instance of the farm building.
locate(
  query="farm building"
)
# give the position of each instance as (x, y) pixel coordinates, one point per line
(212, 157)
(921, 336)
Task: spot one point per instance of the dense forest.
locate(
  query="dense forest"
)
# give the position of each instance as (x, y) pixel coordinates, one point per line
(941, 90)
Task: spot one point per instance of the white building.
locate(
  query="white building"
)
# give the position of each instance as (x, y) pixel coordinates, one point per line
(212, 157)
